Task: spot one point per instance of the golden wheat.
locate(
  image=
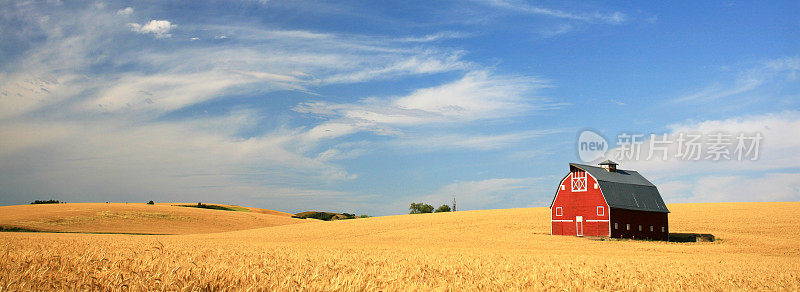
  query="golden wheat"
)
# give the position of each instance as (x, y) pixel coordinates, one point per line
(136, 218)
(475, 250)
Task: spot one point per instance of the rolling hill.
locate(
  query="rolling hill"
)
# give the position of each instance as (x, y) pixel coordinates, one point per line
(163, 218)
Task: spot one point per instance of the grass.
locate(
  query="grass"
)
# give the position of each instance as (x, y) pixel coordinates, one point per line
(472, 250)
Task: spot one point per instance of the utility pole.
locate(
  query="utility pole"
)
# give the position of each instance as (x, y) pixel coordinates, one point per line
(454, 203)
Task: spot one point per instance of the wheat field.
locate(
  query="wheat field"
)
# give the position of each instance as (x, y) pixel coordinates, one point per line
(162, 218)
(471, 250)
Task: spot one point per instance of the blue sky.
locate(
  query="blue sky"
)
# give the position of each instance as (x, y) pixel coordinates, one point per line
(364, 107)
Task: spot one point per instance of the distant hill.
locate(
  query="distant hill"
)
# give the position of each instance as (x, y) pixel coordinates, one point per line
(326, 216)
(140, 218)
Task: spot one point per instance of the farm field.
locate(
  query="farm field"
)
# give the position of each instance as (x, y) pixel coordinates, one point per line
(468, 250)
(163, 218)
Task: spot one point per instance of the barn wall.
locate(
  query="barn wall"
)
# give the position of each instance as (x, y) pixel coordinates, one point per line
(581, 203)
(636, 218)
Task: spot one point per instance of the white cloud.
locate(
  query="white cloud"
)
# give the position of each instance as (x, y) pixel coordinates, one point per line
(125, 11)
(478, 95)
(519, 6)
(436, 37)
(471, 141)
(418, 64)
(771, 187)
(772, 177)
(159, 28)
(780, 141)
(162, 92)
(746, 81)
(22, 93)
(268, 76)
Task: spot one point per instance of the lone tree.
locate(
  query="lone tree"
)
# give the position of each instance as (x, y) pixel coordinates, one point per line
(151, 203)
(443, 208)
(419, 208)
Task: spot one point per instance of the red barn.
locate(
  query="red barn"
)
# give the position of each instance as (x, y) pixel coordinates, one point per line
(610, 202)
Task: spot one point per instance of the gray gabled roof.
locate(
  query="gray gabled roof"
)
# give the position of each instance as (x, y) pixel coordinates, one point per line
(625, 189)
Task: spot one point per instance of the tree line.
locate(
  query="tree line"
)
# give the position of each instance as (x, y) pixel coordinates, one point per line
(419, 208)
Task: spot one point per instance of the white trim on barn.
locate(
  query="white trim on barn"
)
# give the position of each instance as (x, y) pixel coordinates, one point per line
(562, 181)
(609, 221)
(578, 181)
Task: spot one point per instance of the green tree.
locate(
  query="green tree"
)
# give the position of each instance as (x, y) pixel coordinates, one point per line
(418, 208)
(443, 208)
(427, 208)
(415, 207)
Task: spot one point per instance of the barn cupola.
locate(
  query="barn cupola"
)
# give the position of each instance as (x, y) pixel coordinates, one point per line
(609, 165)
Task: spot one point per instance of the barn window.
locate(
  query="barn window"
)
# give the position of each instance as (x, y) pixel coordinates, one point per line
(579, 181)
(662, 229)
(616, 226)
(595, 186)
(562, 187)
(559, 211)
(651, 228)
(640, 227)
(601, 211)
(627, 227)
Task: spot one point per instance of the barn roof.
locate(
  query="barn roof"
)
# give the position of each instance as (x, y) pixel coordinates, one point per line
(607, 162)
(626, 189)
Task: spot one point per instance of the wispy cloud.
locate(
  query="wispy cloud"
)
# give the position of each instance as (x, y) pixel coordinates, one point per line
(428, 119)
(746, 81)
(413, 65)
(471, 141)
(522, 7)
(159, 28)
(477, 95)
(125, 11)
(436, 37)
(556, 30)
